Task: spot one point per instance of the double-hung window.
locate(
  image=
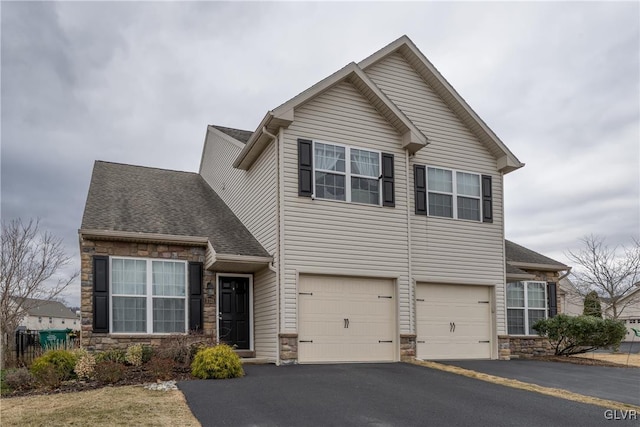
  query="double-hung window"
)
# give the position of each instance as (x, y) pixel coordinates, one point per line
(526, 304)
(346, 173)
(453, 194)
(148, 296)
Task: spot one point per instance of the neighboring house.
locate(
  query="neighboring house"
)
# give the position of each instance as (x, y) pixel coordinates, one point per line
(571, 301)
(630, 314)
(532, 294)
(361, 221)
(43, 314)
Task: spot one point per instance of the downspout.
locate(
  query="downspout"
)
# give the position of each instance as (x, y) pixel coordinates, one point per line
(412, 300)
(276, 269)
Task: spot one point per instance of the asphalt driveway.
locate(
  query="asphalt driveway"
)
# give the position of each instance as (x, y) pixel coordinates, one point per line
(395, 394)
(618, 384)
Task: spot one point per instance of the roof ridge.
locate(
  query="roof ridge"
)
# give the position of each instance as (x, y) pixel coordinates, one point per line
(146, 167)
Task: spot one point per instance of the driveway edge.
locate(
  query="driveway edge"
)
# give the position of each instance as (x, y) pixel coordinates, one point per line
(549, 391)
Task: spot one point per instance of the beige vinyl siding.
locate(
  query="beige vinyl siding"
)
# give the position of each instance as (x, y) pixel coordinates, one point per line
(251, 194)
(340, 237)
(447, 250)
(265, 316)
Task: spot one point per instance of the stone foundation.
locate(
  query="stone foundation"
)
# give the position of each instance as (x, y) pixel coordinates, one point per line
(105, 341)
(504, 348)
(407, 347)
(288, 348)
(529, 346)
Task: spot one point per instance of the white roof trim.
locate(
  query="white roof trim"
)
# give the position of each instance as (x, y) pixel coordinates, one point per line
(508, 162)
(412, 138)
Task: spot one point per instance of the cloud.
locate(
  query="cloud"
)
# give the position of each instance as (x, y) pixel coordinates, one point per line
(138, 83)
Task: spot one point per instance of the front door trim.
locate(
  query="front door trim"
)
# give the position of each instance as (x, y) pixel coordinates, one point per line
(250, 277)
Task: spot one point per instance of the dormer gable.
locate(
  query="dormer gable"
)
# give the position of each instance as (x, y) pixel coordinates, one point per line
(412, 138)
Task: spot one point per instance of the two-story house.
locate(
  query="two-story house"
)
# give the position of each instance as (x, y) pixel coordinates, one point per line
(361, 221)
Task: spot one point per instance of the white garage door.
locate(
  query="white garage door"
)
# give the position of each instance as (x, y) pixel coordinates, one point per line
(453, 322)
(344, 319)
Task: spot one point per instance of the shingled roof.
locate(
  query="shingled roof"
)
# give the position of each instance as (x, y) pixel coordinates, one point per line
(515, 253)
(44, 308)
(241, 135)
(141, 199)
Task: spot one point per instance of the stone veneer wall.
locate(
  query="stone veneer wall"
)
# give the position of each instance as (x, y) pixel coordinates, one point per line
(105, 341)
(288, 348)
(407, 347)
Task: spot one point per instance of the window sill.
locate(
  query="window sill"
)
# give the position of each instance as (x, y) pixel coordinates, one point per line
(319, 199)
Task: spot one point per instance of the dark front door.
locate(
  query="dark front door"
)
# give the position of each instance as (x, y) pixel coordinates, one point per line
(233, 311)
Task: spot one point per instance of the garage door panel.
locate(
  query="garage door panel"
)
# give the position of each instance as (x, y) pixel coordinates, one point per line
(325, 336)
(453, 322)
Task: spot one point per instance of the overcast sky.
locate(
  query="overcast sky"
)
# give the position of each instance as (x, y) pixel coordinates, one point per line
(139, 82)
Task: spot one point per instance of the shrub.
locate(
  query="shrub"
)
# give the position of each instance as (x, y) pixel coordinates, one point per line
(134, 355)
(53, 367)
(147, 353)
(114, 355)
(580, 334)
(85, 364)
(217, 362)
(109, 372)
(19, 379)
(178, 348)
(161, 368)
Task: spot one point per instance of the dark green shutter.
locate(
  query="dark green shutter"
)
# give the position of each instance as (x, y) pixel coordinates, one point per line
(420, 187)
(100, 294)
(388, 185)
(552, 298)
(195, 296)
(487, 199)
(305, 167)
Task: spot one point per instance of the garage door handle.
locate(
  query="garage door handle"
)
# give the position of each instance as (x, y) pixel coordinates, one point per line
(487, 341)
(305, 293)
(346, 323)
(420, 299)
(420, 342)
(452, 327)
(384, 296)
(305, 341)
(380, 341)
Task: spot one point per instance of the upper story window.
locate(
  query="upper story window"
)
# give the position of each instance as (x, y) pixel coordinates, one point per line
(346, 173)
(148, 296)
(449, 193)
(453, 194)
(526, 304)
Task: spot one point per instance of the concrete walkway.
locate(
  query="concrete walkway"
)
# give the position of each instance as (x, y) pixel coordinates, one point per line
(617, 384)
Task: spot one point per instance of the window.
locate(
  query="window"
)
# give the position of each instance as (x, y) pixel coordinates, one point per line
(453, 194)
(148, 296)
(346, 173)
(526, 304)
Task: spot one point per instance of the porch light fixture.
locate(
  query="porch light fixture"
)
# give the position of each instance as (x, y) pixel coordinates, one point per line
(210, 290)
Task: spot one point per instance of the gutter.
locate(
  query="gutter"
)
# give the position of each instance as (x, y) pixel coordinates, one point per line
(254, 138)
(134, 236)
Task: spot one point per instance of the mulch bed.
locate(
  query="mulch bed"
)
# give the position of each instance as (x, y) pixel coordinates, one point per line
(132, 376)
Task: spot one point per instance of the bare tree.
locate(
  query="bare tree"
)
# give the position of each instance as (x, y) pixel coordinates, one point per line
(31, 261)
(612, 272)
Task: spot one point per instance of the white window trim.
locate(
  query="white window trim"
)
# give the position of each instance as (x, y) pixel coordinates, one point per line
(454, 195)
(526, 307)
(149, 296)
(347, 173)
(218, 314)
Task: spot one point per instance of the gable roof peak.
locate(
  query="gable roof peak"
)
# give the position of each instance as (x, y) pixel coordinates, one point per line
(506, 160)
